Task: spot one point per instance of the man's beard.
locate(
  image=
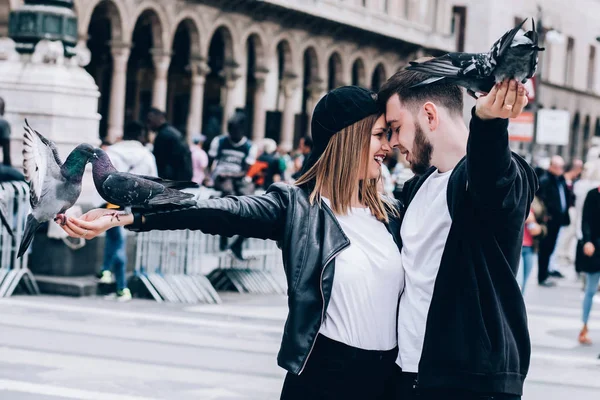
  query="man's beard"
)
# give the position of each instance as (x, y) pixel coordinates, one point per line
(421, 152)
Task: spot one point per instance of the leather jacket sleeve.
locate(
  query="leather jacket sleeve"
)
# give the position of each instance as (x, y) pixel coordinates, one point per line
(260, 217)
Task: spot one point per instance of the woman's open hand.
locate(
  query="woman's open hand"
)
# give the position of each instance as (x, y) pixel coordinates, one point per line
(95, 222)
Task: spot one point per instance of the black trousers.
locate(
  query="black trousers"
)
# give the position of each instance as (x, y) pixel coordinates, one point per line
(407, 389)
(547, 245)
(335, 371)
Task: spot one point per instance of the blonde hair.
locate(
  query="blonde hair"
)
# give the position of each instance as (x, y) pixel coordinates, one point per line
(344, 165)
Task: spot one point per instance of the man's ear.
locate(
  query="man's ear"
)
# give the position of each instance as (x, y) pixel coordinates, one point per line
(432, 114)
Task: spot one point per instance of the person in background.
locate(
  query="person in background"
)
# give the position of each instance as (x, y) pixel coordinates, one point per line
(268, 168)
(554, 194)
(199, 159)
(590, 262)
(232, 156)
(532, 232)
(567, 239)
(173, 157)
(305, 147)
(590, 178)
(4, 135)
(128, 155)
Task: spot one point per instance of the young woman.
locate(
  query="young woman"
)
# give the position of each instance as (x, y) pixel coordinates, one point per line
(339, 240)
(589, 262)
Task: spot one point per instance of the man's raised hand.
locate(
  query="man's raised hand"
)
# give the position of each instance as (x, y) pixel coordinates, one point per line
(505, 100)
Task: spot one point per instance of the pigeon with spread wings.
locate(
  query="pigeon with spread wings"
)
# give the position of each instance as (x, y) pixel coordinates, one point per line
(513, 56)
(54, 186)
(136, 191)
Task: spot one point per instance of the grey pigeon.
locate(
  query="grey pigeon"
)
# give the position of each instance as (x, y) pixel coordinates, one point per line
(4, 214)
(513, 56)
(128, 190)
(54, 186)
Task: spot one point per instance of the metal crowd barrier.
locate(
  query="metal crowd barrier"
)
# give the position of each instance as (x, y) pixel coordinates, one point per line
(13, 270)
(173, 266)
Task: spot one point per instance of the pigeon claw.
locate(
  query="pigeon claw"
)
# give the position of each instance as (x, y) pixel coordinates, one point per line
(61, 219)
(116, 215)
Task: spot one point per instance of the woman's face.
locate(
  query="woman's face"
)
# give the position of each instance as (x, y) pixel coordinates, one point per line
(379, 148)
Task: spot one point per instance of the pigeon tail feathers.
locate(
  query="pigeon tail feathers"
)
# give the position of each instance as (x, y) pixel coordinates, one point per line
(31, 227)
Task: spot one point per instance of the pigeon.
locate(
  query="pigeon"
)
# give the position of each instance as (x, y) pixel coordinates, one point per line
(513, 56)
(4, 214)
(54, 186)
(129, 191)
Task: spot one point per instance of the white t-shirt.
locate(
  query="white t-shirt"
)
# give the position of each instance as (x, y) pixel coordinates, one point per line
(424, 232)
(367, 282)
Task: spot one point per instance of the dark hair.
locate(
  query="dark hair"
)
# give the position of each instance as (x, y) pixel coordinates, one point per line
(133, 131)
(441, 93)
(308, 142)
(237, 121)
(157, 112)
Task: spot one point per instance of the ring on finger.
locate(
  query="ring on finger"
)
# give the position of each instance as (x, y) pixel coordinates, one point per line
(84, 233)
(508, 106)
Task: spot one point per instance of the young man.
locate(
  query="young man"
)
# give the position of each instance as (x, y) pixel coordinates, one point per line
(462, 328)
(173, 156)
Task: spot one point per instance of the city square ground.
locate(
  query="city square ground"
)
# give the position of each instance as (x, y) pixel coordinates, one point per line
(55, 348)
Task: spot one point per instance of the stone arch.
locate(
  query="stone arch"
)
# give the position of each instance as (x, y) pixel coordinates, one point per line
(311, 63)
(334, 71)
(191, 25)
(257, 38)
(117, 13)
(359, 74)
(152, 13)
(228, 33)
(290, 56)
(378, 77)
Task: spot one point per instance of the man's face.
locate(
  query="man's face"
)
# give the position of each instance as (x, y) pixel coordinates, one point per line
(557, 166)
(152, 122)
(408, 136)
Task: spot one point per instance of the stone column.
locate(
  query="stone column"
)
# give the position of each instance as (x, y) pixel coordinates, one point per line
(289, 84)
(161, 61)
(260, 116)
(199, 71)
(116, 114)
(316, 90)
(230, 74)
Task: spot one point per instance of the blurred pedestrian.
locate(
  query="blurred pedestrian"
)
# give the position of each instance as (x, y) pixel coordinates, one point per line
(232, 156)
(590, 261)
(127, 155)
(305, 146)
(555, 195)
(173, 157)
(590, 178)
(268, 168)
(340, 245)
(199, 159)
(533, 231)
(7, 172)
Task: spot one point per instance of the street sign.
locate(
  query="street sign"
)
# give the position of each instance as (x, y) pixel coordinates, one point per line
(520, 129)
(553, 127)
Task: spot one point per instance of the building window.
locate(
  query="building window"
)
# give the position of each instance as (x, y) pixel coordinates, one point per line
(591, 78)
(386, 6)
(459, 23)
(364, 3)
(569, 62)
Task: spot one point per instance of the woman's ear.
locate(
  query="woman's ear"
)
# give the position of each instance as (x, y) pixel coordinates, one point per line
(432, 114)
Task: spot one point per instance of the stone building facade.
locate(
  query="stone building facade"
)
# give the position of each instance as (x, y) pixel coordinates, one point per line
(569, 68)
(201, 60)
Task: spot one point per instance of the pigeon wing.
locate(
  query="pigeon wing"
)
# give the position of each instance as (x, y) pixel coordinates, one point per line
(124, 189)
(169, 183)
(456, 65)
(501, 45)
(170, 196)
(41, 164)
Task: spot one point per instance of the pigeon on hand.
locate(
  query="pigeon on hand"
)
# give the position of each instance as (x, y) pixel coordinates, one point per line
(128, 190)
(513, 56)
(54, 186)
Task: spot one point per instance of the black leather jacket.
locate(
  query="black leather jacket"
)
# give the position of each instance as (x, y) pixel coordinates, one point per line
(310, 238)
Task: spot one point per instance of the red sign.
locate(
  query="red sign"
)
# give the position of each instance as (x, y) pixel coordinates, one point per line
(520, 129)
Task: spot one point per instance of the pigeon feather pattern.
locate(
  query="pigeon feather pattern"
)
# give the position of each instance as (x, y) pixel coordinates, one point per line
(54, 187)
(513, 56)
(137, 191)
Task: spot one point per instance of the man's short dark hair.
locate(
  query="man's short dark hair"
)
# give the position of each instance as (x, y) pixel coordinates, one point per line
(441, 93)
(133, 131)
(157, 112)
(308, 142)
